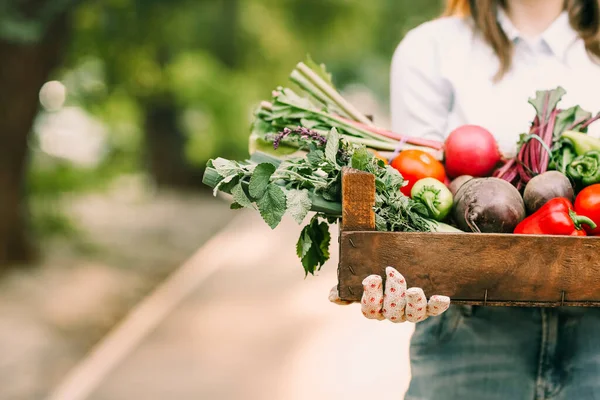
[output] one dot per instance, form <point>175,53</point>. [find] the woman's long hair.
<point>584,16</point>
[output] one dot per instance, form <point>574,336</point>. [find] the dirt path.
<point>52,314</point>
<point>257,330</point>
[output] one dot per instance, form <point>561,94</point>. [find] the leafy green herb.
<point>225,167</point>
<point>240,197</point>
<point>272,205</point>
<point>227,183</point>
<point>298,204</point>
<point>298,185</point>
<point>260,179</point>
<point>332,147</point>
<point>360,159</point>
<point>313,245</point>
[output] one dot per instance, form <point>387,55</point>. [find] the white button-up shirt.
<point>442,77</point>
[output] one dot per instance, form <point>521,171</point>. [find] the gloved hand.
<point>397,304</point>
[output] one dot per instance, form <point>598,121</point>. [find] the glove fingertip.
<point>392,274</point>
<point>371,279</point>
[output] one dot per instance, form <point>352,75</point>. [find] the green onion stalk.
<point>320,108</point>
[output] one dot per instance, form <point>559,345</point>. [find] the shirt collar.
<point>507,26</point>
<point>558,36</point>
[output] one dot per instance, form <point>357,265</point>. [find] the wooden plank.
<point>358,199</point>
<point>490,269</point>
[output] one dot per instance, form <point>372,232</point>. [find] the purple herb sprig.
<point>303,133</point>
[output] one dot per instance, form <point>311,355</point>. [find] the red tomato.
<point>415,165</point>
<point>579,233</point>
<point>587,203</point>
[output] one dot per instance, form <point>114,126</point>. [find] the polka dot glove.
<point>395,302</point>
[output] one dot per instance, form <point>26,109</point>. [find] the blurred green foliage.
<point>216,59</point>
<point>211,62</point>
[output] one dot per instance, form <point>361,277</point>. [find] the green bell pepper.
<point>434,195</point>
<point>582,143</point>
<point>585,169</point>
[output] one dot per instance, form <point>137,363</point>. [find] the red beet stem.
<point>545,156</point>
<point>590,121</point>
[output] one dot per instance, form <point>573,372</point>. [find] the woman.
<point>479,65</point>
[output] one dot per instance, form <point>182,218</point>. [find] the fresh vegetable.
<point>298,185</point>
<point>488,205</point>
<point>415,165</point>
<point>582,143</point>
<point>318,106</point>
<point>457,183</point>
<point>562,155</point>
<point>544,187</point>
<point>543,143</point>
<point>441,227</point>
<point>434,195</point>
<point>579,232</point>
<point>585,169</point>
<point>470,150</point>
<point>587,204</point>
<point>556,217</point>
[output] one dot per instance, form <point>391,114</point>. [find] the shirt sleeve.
<point>420,98</point>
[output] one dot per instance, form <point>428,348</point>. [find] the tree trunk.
<point>24,68</point>
<point>165,146</point>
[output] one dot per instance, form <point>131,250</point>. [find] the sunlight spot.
<point>53,95</point>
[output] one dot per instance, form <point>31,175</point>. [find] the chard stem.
<point>332,94</point>
<point>309,87</point>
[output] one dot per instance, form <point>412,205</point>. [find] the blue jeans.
<point>490,353</point>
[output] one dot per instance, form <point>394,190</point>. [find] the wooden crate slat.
<point>358,198</point>
<point>513,269</point>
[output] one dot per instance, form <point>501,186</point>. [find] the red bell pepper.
<point>556,217</point>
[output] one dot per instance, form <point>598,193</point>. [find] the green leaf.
<point>548,97</point>
<point>333,145</point>
<point>272,205</point>
<point>240,197</point>
<point>235,206</point>
<point>225,167</point>
<point>394,177</point>
<point>333,191</point>
<point>298,204</point>
<point>224,184</point>
<point>313,245</point>
<point>304,243</point>
<point>380,223</point>
<point>361,158</point>
<point>315,157</point>
<point>260,180</point>
<point>567,118</point>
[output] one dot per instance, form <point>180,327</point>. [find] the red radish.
<point>470,150</point>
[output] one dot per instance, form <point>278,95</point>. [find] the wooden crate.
<point>471,268</point>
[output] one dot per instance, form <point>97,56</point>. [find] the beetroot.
<point>544,187</point>
<point>488,205</point>
<point>470,150</point>
<point>457,183</point>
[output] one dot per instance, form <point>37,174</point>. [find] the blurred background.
<point>109,111</point>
